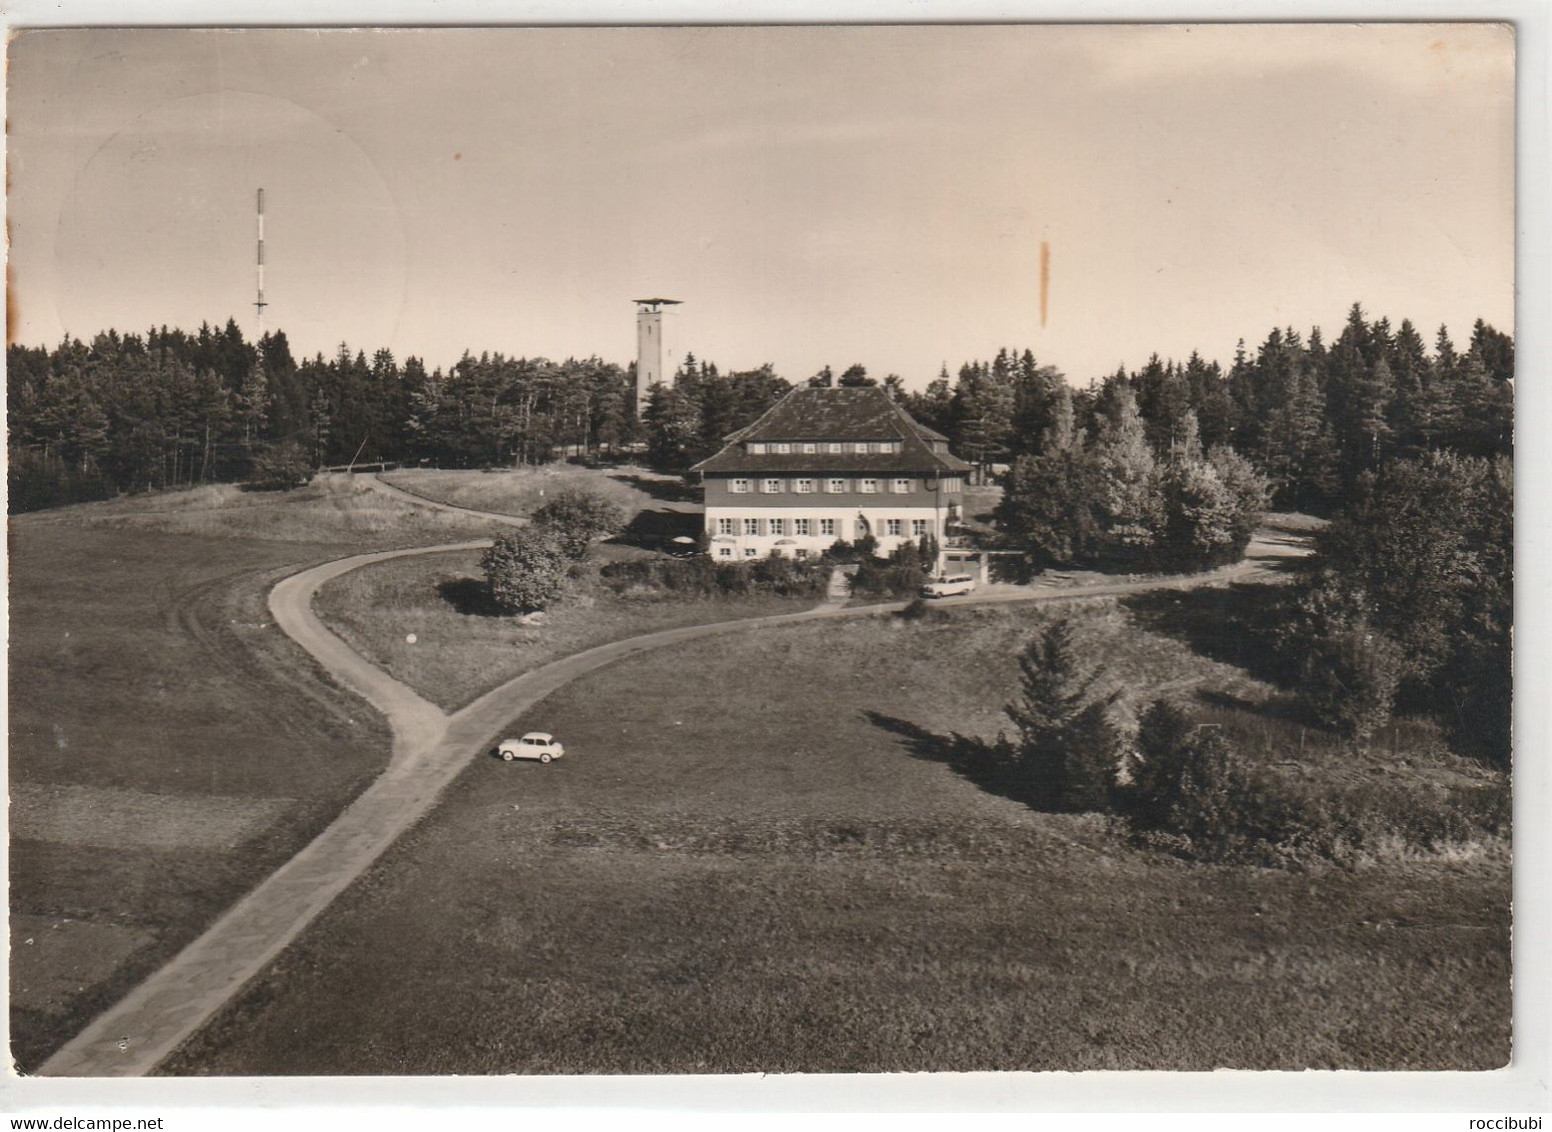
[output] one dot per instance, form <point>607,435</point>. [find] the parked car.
<point>948,586</point>
<point>539,745</point>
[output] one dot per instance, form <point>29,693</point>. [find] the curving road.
<point>430,747</point>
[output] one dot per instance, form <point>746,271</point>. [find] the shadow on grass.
<point>1233,624</point>
<point>469,597</point>
<point>668,490</point>
<point>988,766</point>
<point>657,530</point>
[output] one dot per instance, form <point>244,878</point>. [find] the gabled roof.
<point>817,414</point>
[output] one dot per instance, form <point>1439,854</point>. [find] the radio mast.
<point>260,304</point>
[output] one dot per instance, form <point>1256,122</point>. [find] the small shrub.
<point>578,517</point>
<point>841,552</point>
<point>902,574</point>
<point>526,570</point>
<point>700,577</point>
<point>1190,780</point>
<point>1350,684</point>
<point>281,467</point>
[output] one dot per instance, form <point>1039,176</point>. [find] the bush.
<point>577,518</point>
<point>902,574</point>
<point>1351,682</point>
<point>281,467</point>
<point>526,570</point>
<point>702,578</point>
<point>1191,789</point>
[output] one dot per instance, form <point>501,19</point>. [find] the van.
<point>948,586</point>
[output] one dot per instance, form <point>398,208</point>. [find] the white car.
<point>539,745</point>
<point>948,586</point>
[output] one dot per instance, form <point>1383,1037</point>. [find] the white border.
<point>1522,1088</point>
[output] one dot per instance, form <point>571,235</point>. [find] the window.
<point>756,448</point>
<point>782,448</point>
<point>802,526</point>
<point>803,487</point>
<point>810,448</point>
<point>827,526</point>
<point>868,487</point>
<point>800,553</point>
<point>726,527</point>
<point>953,483</point>
<point>751,526</point>
<point>859,446</point>
<point>772,487</point>
<point>901,487</point>
<point>724,552</point>
<point>835,446</point>
<point>751,552</point>
<point>893,527</point>
<point>739,487</point>
<point>835,487</point>
<point>918,527</point>
<point>778,526</point>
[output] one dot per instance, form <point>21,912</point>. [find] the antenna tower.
<point>260,304</point>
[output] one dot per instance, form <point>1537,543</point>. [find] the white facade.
<point>739,533</point>
<point>649,353</point>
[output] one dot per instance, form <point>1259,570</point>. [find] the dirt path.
<point>429,749</point>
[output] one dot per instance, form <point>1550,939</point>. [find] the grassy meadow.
<point>152,778</point>
<point>463,646</point>
<point>762,853</point>
<point>522,491</point>
<point>340,512</point>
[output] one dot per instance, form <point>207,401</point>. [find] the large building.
<point>824,464</point>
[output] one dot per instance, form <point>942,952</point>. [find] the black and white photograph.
<point>705,550</point>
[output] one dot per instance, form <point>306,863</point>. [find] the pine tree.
<point>1069,749</point>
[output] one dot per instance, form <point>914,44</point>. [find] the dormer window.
<point>756,448</point>
<point>781,448</point>
<point>860,446</point>
<point>835,446</point>
<point>810,448</point>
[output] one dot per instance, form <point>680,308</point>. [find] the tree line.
<point>167,408</point>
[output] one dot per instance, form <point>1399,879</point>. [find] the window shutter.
<point>764,526</point>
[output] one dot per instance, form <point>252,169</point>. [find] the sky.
<point>813,195</point>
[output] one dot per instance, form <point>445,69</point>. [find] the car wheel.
<point>507,756</point>
<point>544,758</point>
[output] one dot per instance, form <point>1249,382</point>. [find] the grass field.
<point>758,856</point>
<point>522,491</point>
<point>168,745</point>
<point>340,511</point>
<point>463,648</point>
